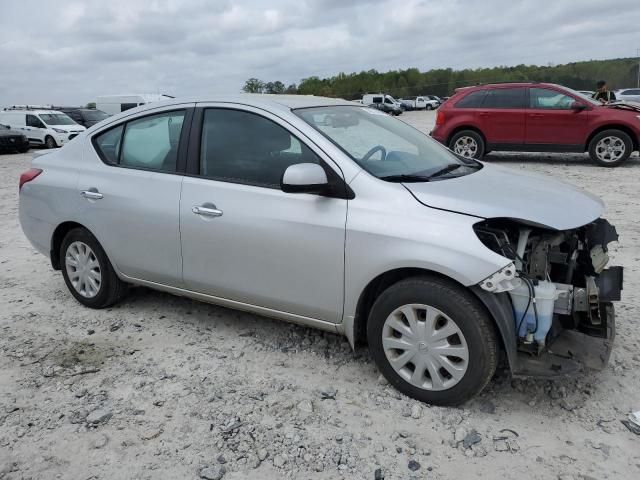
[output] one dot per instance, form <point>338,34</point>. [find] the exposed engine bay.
<point>557,281</point>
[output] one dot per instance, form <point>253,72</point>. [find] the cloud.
<point>71,52</point>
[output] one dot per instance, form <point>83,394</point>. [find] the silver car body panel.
<point>298,257</point>
<point>495,192</point>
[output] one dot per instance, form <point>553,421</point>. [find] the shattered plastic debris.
<point>635,417</point>
<point>631,426</point>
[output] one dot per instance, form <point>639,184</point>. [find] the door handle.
<point>91,194</point>
<point>484,114</point>
<point>207,211</point>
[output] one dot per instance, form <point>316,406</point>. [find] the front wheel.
<point>49,142</point>
<point>428,107</point>
<point>89,275</point>
<point>432,340</point>
<point>610,148</point>
<point>468,143</point>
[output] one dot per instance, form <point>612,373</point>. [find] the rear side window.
<point>147,143</point>
<point>152,142</point>
<point>227,155</point>
<point>505,98</point>
<point>472,100</point>
<point>108,144</point>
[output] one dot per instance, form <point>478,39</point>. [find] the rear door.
<point>502,115</point>
<point>551,120</point>
<point>129,192</point>
<point>255,244</point>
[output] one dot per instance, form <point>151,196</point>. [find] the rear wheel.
<point>89,275</point>
<point>432,340</point>
<point>468,143</point>
<point>49,142</point>
<point>610,148</point>
<point>24,149</point>
<point>428,107</point>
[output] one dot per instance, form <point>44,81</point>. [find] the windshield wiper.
<point>406,178</point>
<point>446,169</point>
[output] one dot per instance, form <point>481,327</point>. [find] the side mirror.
<point>304,178</point>
<point>578,107</point>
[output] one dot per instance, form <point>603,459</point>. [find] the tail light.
<point>440,118</point>
<point>28,176</point>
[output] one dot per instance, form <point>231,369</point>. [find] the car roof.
<point>260,100</point>
<point>32,111</point>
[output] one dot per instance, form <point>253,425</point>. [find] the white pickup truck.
<point>419,103</point>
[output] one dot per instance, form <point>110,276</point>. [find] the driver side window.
<point>543,98</point>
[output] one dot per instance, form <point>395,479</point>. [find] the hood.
<point>68,128</point>
<point>496,192</point>
<point>624,105</point>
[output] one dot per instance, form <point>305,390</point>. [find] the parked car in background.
<point>435,98</point>
<point>628,94</point>
<point>336,217</point>
<point>538,117</point>
<point>12,140</point>
<point>113,104</point>
<point>383,102</point>
<point>419,103</point>
<point>48,128</point>
<point>391,109</point>
<point>587,93</point>
<point>87,117</point>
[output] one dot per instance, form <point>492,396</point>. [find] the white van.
<point>113,104</point>
<point>42,127</point>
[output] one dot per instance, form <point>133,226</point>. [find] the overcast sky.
<point>72,51</point>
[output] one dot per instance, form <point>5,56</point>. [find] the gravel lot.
<point>165,387</point>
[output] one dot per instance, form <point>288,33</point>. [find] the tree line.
<point>619,73</point>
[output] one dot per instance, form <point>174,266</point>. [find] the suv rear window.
<point>473,100</point>
<point>505,98</point>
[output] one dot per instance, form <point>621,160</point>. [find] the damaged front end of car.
<point>558,291</point>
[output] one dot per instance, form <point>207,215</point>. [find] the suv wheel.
<point>432,340</point>
<point>87,271</point>
<point>610,148</point>
<point>467,143</point>
<point>49,142</point>
<point>428,107</point>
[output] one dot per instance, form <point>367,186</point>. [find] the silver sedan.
<point>335,216</point>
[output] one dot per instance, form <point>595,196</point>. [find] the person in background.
<point>603,93</point>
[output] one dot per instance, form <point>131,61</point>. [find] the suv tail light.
<point>440,118</point>
<point>28,176</point>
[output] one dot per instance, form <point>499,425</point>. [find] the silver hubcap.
<point>425,347</point>
<point>83,269</point>
<point>610,149</point>
<point>466,146</point>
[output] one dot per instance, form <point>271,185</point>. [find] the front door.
<point>35,130</point>
<point>551,120</point>
<point>243,238</point>
<point>129,194</point>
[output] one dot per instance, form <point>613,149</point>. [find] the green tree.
<point>91,105</point>
<point>276,87</point>
<point>253,85</point>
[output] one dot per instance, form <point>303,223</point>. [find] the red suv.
<point>537,117</point>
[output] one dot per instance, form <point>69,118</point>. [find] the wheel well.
<point>623,128</point>
<point>466,127</point>
<point>379,284</point>
<point>56,241</point>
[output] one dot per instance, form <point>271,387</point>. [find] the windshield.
<point>94,115</point>
<point>582,96</point>
<point>384,146</point>
<point>56,119</point>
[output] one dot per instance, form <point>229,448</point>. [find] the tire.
<point>24,149</point>
<point>450,307</point>
<point>610,148</point>
<point>468,143</point>
<point>49,142</point>
<point>428,107</point>
<point>110,289</point>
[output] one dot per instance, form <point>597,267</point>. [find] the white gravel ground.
<point>165,387</point>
